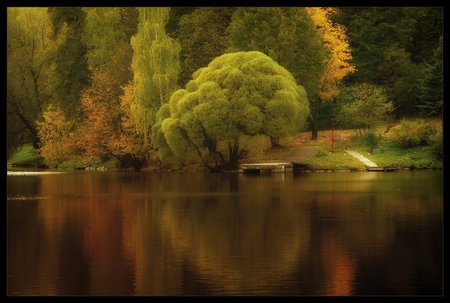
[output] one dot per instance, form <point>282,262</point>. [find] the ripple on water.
<point>32,173</point>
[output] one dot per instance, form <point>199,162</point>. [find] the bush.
<point>437,147</point>
<point>372,139</point>
<point>413,133</point>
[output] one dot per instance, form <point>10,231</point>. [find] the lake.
<point>125,233</point>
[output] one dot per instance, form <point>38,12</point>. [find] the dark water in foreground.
<point>107,233</point>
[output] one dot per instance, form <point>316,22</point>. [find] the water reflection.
<point>169,234</point>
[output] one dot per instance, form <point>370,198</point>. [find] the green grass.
<point>394,155</point>
<point>339,159</point>
<point>25,156</point>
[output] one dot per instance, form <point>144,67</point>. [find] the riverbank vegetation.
<point>210,87</point>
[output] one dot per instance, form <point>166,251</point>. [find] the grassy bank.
<point>300,148</point>
<point>26,156</point>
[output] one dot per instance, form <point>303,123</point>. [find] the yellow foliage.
<point>129,141</point>
<point>335,38</point>
<point>55,136</point>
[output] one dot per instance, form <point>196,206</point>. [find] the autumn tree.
<point>30,72</point>
<point>156,67</point>
<point>55,133</point>
<point>129,145</point>
<point>70,60</point>
<point>337,65</point>
<point>101,111</point>
<point>238,95</point>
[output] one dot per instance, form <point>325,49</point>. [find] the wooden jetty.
<point>266,167</point>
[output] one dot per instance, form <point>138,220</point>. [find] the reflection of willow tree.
<point>237,242</point>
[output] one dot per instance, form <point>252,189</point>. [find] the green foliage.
<point>437,145</point>
<point>400,77</point>
<point>202,36</point>
<point>432,84</point>
<point>70,57</point>
<point>389,46</point>
<point>287,35</point>
<point>25,156</point>
<point>156,67</point>
<point>321,153</point>
<point>410,133</point>
<point>364,106</point>
<point>107,35</point>
<point>236,96</point>
<point>30,72</point>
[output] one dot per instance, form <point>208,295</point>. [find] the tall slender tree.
<point>337,65</point>
<point>71,61</point>
<point>156,67</point>
<point>432,84</point>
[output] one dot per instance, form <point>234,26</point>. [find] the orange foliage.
<point>129,141</point>
<point>101,107</point>
<point>335,38</point>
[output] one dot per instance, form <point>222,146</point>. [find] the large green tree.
<point>389,46</point>
<point>30,73</point>
<point>237,96</point>
<point>202,36</point>
<point>365,106</point>
<point>432,84</point>
<point>304,45</point>
<point>107,35</point>
<point>156,67</point>
<point>287,35</point>
<point>70,58</point>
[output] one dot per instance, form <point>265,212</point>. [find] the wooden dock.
<point>266,167</point>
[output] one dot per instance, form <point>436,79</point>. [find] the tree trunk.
<point>31,129</point>
<point>314,119</point>
<point>233,152</point>
<point>275,142</point>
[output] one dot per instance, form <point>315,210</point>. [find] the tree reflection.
<point>170,234</point>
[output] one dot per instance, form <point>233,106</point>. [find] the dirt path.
<point>300,154</point>
<point>301,147</point>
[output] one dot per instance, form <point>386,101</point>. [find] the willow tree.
<point>237,96</point>
<point>156,67</point>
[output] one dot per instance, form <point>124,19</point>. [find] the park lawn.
<point>394,155</point>
<point>339,159</point>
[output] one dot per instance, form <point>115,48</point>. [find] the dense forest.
<point>159,87</point>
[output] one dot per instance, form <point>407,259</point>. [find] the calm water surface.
<point>118,233</point>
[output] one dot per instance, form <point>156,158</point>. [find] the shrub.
<point>372,139</point>
<point>437,147</point>
<point>363,107</point>
<point>412,133</point>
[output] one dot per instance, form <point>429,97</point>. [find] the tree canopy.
<point>236,96</point>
